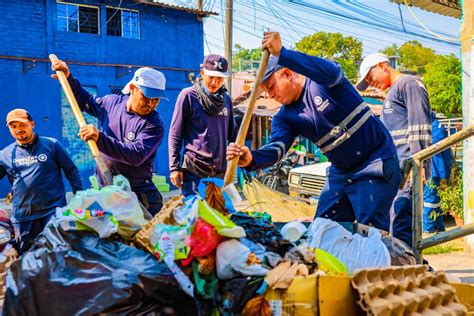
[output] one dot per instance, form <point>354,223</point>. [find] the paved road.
<point>459,266</point>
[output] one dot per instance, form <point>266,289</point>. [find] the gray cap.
<point>272,67</point>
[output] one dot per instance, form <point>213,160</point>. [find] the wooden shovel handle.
<point>232,165</point>
<point>101,166</point>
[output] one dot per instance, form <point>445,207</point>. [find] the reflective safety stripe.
<point>337,129</point>
<point>419,127</point>
<point>399,132</point>
<point>279,147</point>
<point>412,138</point>
<point>431,205</point>
<point>348,133</point>
<point>400,141</point>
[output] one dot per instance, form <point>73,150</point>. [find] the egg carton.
<point>164,216</point>
<point>406,290</point>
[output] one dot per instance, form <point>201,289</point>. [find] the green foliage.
<point>415,57</point>
<point>392,50</point>
<point>245,59</point>
<point>441,74</point>
<point>439,249</point>
<point>443,81</point>
<point>452,196</point>
<point>346,50</point>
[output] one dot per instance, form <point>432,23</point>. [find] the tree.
<point>413,56</point>
<point>392,50</point>
<point>245,59</point>
<point>443,81</point>
<point>346,50</point>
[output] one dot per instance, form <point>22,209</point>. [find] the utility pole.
<point>228,41</point>
<point>199,7</point>
<point>467,47</point>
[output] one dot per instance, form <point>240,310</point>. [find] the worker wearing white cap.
<point>131,129</point>
<point>407,114</point>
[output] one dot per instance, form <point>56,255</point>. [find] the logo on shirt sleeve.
<point>130,136</point>
<point>387,107</point>
<point>224,112</point>
<point>42,157</point>
<point>320,104</point>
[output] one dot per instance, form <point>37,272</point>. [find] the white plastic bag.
<point>231,261</point>
<point>355,251</point>
<point>117,200</point>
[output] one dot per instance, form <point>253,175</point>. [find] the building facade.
<point>104,42</point>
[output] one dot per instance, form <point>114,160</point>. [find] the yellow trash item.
<point>330,264</point>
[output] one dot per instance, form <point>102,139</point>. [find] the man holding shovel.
<point>131,129</point>
<point>203,121</point>
<point>320,104</point>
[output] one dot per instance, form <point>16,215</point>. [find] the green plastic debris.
<point>330,264</point>
<point>94,182</point>
<point>160,183</point>
<point>223,225</point>
<point>205,284</point>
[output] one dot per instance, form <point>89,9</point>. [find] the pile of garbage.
<point>198,256</point>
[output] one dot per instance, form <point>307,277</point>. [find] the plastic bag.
<point>116,199</point>
<point>261,230</point>
<point>177,234</point>
<point>235,293</point>
<point>232,260</point>
<point>223,225</point>
<point>353,250</point>
<point>203,240</point>
<point>103,223</point>
<point>78,273</point>
<point>400,253</point>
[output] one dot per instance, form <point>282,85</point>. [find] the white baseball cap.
<point>152,82</point>
<point>367,64</point>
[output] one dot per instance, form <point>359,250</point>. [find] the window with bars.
<point>116,90</point>
<point>77,18</point>
<point>123,23</point>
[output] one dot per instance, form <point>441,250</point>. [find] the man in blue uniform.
<point>131,129</point>
<point>203,121</point>
<point>407,114</point>
<point>433,221</point>
<point>33,165</point>
<point>320,104</point>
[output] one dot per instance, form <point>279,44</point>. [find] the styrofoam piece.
<point>407,290</point>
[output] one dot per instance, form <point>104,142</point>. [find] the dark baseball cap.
<point>215,65</point>
<point>272,67</point>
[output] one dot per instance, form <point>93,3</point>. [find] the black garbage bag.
<point>235,293</point>
<point>77,273</point>
<point>262,230</point>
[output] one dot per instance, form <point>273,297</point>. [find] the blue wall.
<point>169,38</point>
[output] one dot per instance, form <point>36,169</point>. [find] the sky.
<point>377,23</point>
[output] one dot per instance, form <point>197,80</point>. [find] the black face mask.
<point>212,103</point>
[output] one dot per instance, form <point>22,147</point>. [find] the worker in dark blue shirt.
<point>131,129</point>
<point>407,114</point>
<point>203,123</point>
<point>441,163</point>
<point>33,165</point>
<point>320,104</point>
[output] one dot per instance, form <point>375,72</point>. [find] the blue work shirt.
<point>326,100</point>
<point>205,137</point>
<point>440,163</point>
<point>35,172</point>
<point>407,114</point>
<point>127,141</point>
